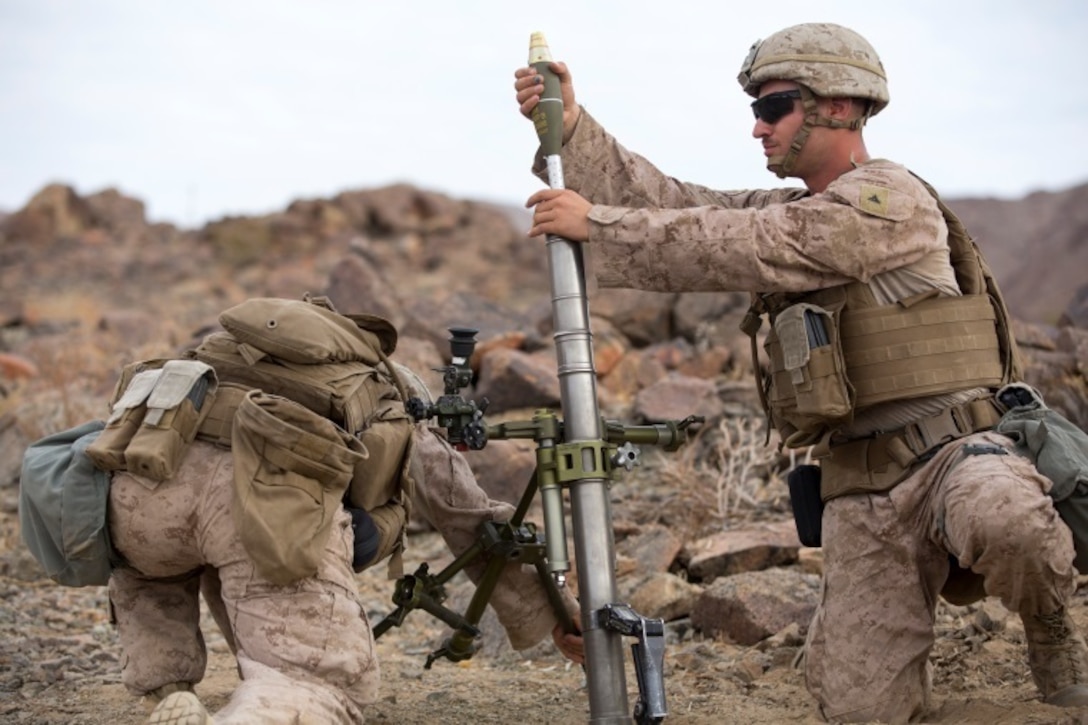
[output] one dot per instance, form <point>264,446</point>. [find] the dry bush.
<point>729,472</point>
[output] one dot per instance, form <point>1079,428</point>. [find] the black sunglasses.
<point>773,107</point>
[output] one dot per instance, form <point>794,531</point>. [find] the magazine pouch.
<point>107,452</point>
<point>180,399</point>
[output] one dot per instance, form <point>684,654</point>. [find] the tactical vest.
<point>837,351</point>
<point>324,413</point>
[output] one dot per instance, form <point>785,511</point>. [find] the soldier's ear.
<point>841,108</point>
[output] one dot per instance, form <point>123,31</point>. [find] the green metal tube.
<point>551,499</point>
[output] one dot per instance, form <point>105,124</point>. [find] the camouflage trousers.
<point>887,558</point>
<point>305,651</point>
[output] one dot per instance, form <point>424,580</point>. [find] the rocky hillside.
<point>91,267</point>
<point>89,284</point>
<point>1038,249</point>
<point>704,536</point>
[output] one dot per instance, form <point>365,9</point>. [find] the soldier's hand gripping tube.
<point>580,462</point>
<point>548,121</point>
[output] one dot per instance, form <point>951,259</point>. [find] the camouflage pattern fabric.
<point>886,556</point>
<point>305,650</point>
<point>886,560</point>
<point>302,649</point>
<point>649,231</point>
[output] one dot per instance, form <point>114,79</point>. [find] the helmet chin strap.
<point>783,165</point>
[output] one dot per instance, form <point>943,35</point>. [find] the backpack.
<point>337,367</point>
<point>326,424</point>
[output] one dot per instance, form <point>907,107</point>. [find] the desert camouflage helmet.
<point>828,59</point>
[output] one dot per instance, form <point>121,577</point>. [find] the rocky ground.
<point>59,663</point>
<point>88,285</point>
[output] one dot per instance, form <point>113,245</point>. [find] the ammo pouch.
<point>108,451</point>
<point>810,390</point>
<point>291,469</point>
<point>1059,450</point>
<point>155,418</point>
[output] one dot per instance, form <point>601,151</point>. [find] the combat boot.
<point>1058,658</point>
<point>180,708</point>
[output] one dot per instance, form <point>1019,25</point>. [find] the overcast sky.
<point>204,108</point>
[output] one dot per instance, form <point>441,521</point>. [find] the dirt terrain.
<point>89,285</point>
<point>59,664</point>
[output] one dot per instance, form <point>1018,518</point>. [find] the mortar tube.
<point>590,506</point>
<point>591,515</point>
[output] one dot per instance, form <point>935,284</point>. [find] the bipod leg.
<point>555,598</point>
<point>421,590</point>
<point>547,580</point>
<point>648,654</point>
<point>503,543</point>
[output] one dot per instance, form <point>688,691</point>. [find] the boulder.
<point>749,607</point>
<point>750,547</point>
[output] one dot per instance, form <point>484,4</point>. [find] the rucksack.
<point>318,363</point>
<point>337,367</point>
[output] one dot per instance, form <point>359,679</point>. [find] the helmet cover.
<point>831,60</point>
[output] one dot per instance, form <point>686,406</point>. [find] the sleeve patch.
<point>874,200</point>
<point>880,201</point>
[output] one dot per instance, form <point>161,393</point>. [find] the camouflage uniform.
<point>305,651</point>
<point>887,555</point>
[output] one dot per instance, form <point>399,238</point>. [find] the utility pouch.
<point>377,479</point>
<point>1059,450</point>
<point>181,397</point>
<point>807,505</point>
<point>291,471</point>
<point>807,391</point>
<point>813,360</point>
<point>390,520</point>
<point>107,452</point>
<point>1074,512</point>
<point>63,508</point>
